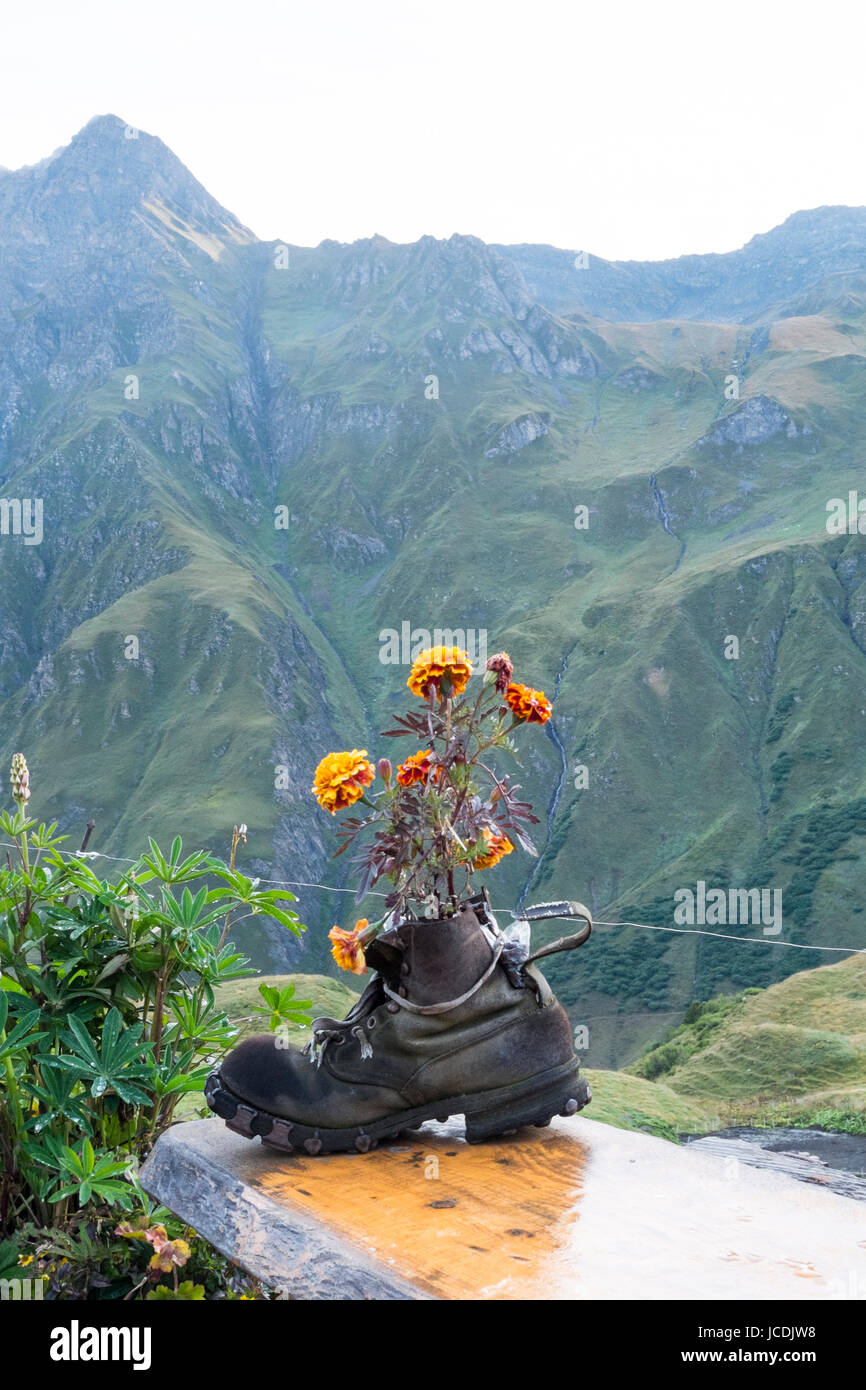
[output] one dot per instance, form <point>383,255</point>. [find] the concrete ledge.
<point>579,1210</point>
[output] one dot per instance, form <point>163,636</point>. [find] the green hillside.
<point>797,1049</point>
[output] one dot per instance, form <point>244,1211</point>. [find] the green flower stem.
<point>236,839</point>
<point>371,931</point>
<point>12,1089</point>
<point>22,843</point>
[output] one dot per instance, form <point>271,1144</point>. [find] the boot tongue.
<point>442,960</point>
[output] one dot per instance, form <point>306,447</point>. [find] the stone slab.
<point>803,1166</point>
<point>579,1210</point>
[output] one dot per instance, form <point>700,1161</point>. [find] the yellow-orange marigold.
<point>416,768</point>
<point>436,664</point>
<point>347,949</point>
<point>341,779</point>
<point>497,848</point>
<point>525,703</point>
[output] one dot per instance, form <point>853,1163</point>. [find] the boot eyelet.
<point>371,1022</point>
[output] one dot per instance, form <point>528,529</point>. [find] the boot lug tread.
<point>485,1118</point>
<point>242,1121</point>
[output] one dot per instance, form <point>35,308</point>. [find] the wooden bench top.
<point>577,1210</point>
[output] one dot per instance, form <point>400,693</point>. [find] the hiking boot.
<point>457,1021</point>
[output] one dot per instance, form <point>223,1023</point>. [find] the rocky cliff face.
<point>253,460</point>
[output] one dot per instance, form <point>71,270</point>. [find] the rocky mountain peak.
<point>108,172</point>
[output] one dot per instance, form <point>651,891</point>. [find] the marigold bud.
<point>503,667</point>
<point>385,770</point>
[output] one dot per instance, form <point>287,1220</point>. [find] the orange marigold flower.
<point>416,768</point>
<point>437,664</point>
<point>528,704</point>
<point>341,778</point>
<point>497,846</point>
<point>347,949</point>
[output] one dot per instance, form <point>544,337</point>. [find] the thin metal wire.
<point>724,936</point>
<point>642,926</point>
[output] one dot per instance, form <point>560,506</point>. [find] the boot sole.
<point>487,1114</point>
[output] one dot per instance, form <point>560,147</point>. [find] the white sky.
<point>630,130</point>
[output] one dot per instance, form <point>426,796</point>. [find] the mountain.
<point>427,420</point>
<point>763,281</point>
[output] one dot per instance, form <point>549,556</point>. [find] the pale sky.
<point>629,130</point>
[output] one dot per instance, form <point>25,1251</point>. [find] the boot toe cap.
<point>261,1072</point>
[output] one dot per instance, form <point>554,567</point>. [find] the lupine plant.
<point>108,1011</point>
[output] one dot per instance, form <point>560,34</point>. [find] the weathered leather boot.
<point>457,1021</point>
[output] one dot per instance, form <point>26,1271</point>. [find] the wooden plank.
<point>206,1174</point>
<point>578,1210</point>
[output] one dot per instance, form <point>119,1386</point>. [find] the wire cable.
<point>641,926</point>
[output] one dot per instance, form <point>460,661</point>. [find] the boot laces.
<point>322,1036</point>
<point>327,1030</point>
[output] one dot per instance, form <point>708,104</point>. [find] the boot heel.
<point>566,1096</point>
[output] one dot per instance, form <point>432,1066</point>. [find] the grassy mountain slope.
<point>797,1048</point>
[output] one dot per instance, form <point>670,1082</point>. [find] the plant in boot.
<point>458,1017</point>
<point>447,813</point>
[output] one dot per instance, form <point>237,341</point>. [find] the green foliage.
<point>84,1173</point>
<point>701,1022</point>
<point>108,1014</point>
<point>779,717</point>
<point>241,1000</point>
<point>92,1257</point>
<point>9,1259</point>
<point>648,1124</point>
<point>283,1010</point>
<point>827,830</point>
<point>630,1102</point>
<point>792,1054</point>
<point>779,773</point>
<point>636,973</point>
<point>837,1121</point>
<point>185,1291</point>
<point>841,1121</point>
